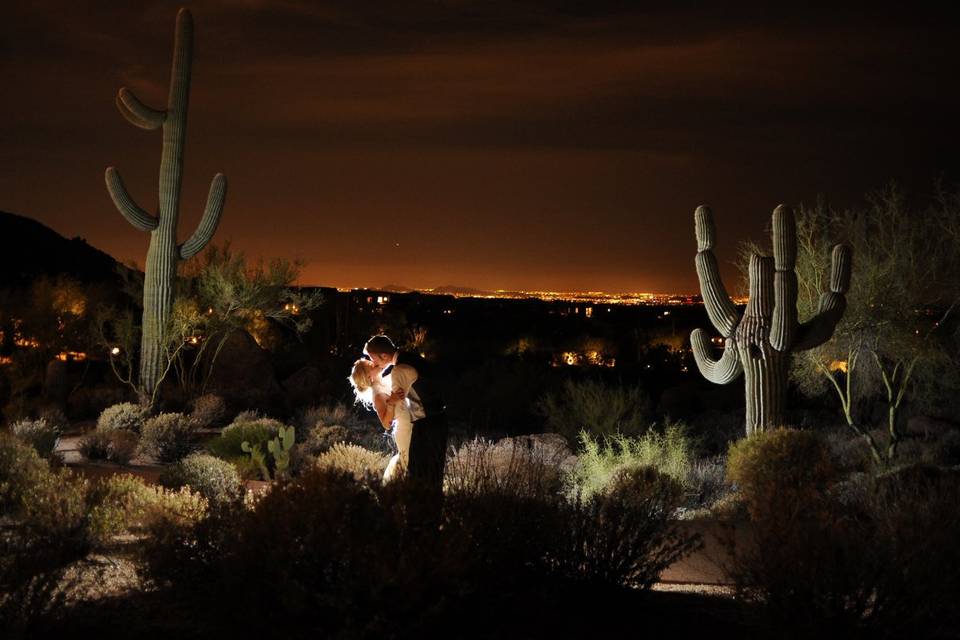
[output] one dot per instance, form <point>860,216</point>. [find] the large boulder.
<point>303,386</point>
<point>243,373</point>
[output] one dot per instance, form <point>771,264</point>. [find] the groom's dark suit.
<point>428,443</point>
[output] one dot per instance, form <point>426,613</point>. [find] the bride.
<point>375,392</point>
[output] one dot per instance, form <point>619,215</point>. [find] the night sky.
<point>492,144</point>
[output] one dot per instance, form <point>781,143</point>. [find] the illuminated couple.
<point>401,389</point>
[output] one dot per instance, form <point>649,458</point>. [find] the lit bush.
<point>215,479</point>
<point>126,416</point>
<point>321,438</point>
<point>362,464</point>
<point>669,452</point>
<point>20,468</point>
<point>40,434</point>
<point>168,437</point>
<point>592,406</point>
<point>257,432</point>
<point>482,467</point>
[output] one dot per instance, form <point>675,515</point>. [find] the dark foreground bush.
<point>351,559</point>
<point>819,564</point>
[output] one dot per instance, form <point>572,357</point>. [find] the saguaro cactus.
<point>164,252</point>
<point>759,343</point>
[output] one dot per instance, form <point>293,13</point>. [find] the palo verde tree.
<point>898,338</point>
<point>164,252</point>
<point>759,342</point>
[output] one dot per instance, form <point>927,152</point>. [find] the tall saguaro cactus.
<point>164,252</point>
<point>759,343</point>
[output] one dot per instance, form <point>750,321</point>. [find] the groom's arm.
<point>403,377</point>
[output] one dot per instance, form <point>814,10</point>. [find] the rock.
<point>927,427</point>
<point>243,373</point>
<point>303,387</point>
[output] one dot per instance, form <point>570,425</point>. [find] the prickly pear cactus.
<point>759,343</point>
<point>280,448</point>
<point>164,252</point>
<point>258,457</point>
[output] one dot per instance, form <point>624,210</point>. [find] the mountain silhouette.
<point>31,249</point>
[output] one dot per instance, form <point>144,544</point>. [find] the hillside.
<point>31,249</point>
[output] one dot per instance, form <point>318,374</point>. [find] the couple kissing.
<point>400,387</point>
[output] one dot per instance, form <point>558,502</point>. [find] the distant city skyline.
<point>498,145</point>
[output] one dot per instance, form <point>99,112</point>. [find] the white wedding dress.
<point>402,431</point>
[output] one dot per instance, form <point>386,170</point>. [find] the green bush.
<point>781,466</point>
<point>217,480</point>
<point>669,452</point>
<point>256,432</point>
<point>40,434</point>
<point>168,437</point>
<point>626,535</point>
<point>593,406</point>
<point>20,468</point>
<point>126,416</point>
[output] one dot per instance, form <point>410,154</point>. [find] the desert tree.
<point>896,340</point>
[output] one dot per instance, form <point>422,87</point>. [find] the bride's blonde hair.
<point>362,383</point>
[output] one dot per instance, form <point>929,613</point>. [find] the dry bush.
<point>126,416</point>
<point>168,437</point>
<point>362,464</point>
<point>209,410</point>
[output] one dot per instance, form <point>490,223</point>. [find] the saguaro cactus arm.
<point>211,218</point>
<point>720,308</point>
<point>723,371</point>
<point>784,327</point>
<point>136,216</point>
<point>137,113</point>
<point>819,328</point>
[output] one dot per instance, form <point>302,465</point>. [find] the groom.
<point>412,375</point>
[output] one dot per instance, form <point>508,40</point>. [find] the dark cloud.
<point>505,143</point>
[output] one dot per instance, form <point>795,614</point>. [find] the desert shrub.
<point>40,434</point>
<point>592,406</point>
<point>126,415</point>
<point>626,535</point>
<point>669,452</point>
<point>209,410</point>
<point>483,467</point>
<point>118,445</point>
<point>859,556</point>
<point>781,466</point>
<point>706,482</point>
<point>20,467</point>
<point>321,438</point>
<point>247,415</point>
<point>257,432</point>
<point>168,437</point>
<point>362,464</point>
<point>217,480</point>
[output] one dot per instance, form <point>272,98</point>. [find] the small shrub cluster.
<point>41,434</point>
<point>118,445</point>
<point>216,480</point>
<point>168,437</point>
<point>362,464</point>
<point>209,410</point>
<point>343,421</point>
<point>670,452</point>
<point>125,416</point>
<point>57,518</point>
